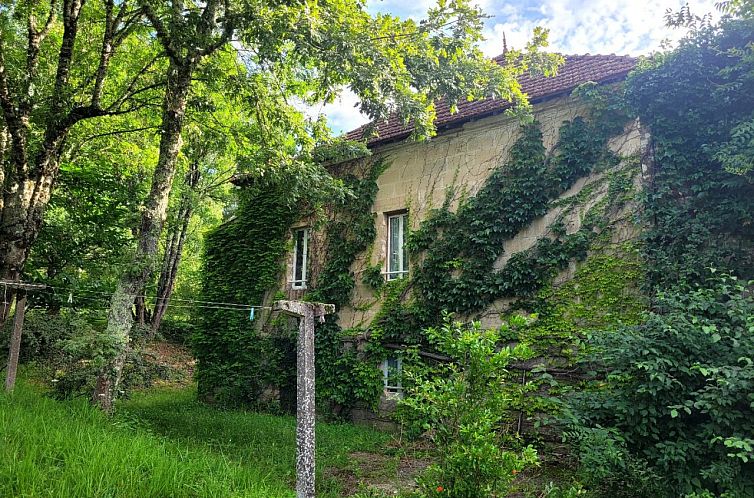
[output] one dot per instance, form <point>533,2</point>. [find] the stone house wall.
<point>420,174</point>
<point>418,178</point>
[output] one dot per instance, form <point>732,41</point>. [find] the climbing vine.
<point>243,260</point>
<point>699,212</point>
<point>342,378</point>
<point>454,253</point>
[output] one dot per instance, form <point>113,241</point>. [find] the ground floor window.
<point>392,368</point>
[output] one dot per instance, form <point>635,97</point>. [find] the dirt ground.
<point>175,359</point>
<point>390,473</point>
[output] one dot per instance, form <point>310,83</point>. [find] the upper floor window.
<point>397,259</point>
<point>300,257</point>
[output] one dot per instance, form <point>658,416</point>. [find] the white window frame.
<point>402,220</point>
<point>385,367</point>
<point>300,284</point>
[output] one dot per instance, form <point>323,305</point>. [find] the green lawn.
<point>162,443</point>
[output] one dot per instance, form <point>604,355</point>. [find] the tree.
<point>207,177</point>
<point>49,82</point>
<point>678,389</point>
<point>461,404</point>
<point>188,34</point>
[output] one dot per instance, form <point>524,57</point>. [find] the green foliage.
<point>235,362</point>
<point>553,490</point>
<point>603,293</point>
<point>243,260</point>
<point>453,253</point>
<point>737,155</point>
<point>515,194</point>
<point>344,379</point>
<point>63,449</point>
<point>373,277</point>
<point>461,404</point>
<point>696,102</point>
<point>678,388</point>
<point>607,468</point>
<point>90,221</point>
<point>675,390</point>
<point>43,331</point>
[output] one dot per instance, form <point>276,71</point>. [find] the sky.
<point>622,27</point>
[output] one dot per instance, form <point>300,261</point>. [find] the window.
<point>300,256</point>
<point>397,260</point>
<point>392,368</point>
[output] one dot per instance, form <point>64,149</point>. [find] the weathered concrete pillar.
<point>15,341</point>
<point>305,396</point>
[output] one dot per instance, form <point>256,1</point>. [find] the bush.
<point>608,469</point>
<point>679,389</point>
<point>42,333</point>
<point>177,331</point>
<point>82,357</point>
<point>461,404</point>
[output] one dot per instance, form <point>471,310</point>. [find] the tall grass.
<point>162,444</point>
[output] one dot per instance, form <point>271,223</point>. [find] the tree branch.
<point>119,132</point>
<point>71,12</point>
<point>107,49</point>
<point>6,100</point>
<point>162,34</point>
<point>129,91</point>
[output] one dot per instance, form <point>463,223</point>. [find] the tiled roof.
<point>576,70</point>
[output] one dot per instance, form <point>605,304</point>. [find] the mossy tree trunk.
<point>120,317</point>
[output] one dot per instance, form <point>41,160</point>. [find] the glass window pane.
<point>395,244</point>
<point>298,270</point>
<point>392,374</point>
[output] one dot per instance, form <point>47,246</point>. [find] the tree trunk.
<point>174,249</point>
<point>141,311</point>
<point>170,270</point>
<point>120,316</point>
<point>27,180</point>
<point>21,218</point>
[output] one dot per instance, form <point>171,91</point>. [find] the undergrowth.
<point>161,443</point>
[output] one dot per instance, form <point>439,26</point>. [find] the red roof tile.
<point>576,70</point>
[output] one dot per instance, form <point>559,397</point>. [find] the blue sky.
<point>632,27</point>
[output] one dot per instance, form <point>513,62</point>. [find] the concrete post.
<point>15,341</point>
<point>305,396</point>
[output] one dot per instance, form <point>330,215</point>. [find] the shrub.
<point>679,389</point>
<point>461,405</point>
<point>608,469</point>
<point>177,331</point>
<point>43,331</point>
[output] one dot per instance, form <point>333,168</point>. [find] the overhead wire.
<point>83,293</point>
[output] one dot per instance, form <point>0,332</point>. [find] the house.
<point>453,167</point>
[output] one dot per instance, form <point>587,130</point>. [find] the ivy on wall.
<point>699,213</point>
<point>453,260</point>
<point>454,253</point>
<point>243,260</point>
<point>343,379</point>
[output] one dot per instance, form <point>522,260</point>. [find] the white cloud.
<point>343,114</point>
<point>586,26</point>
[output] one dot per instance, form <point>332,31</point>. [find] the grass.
<point>162,443</point>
